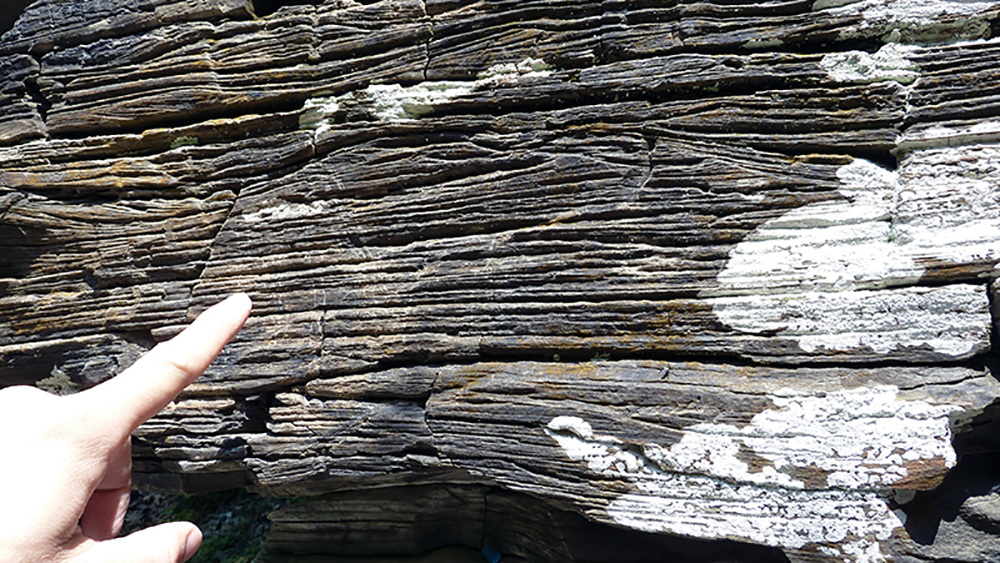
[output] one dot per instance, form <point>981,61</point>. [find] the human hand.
<point>67,464</point>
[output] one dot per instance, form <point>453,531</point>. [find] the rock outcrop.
<point>534,279</point>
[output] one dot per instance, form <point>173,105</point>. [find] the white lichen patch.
<point>833,275</point>
<point>906,10</point>
<point>949,203</point>
<point>511,73</point>
<point>917,20</point>
<point>384,102</point>
<point>861,439</point>
<point>952,320</point>
<point>397,103</point>
<point>708,509</point>
<point>318,114</point>
<point>833,245</point>
<point>888,63</point>
<point>770,43</point>
<point>949,136</point>
<point>284,211</point>
<point>392,102</point>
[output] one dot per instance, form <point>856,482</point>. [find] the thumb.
<point>175,542</point>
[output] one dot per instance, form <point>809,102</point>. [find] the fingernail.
<point>192,544</point>
<point>241,297</point>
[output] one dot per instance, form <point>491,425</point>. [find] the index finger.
<point>144,389</point>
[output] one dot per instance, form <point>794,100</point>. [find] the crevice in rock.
<point>264,8</point>
<point>429,19</point>
<point>650,162</point>
<point>42,104</point>
<point>994,357</point>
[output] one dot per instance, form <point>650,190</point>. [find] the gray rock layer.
<point>715,271</point>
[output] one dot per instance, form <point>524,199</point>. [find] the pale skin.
<point>66,465</point>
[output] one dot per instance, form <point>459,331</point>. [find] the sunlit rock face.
<point>714,281</point>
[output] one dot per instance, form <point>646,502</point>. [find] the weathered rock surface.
<point>717,271</point>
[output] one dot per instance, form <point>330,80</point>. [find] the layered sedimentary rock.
<point>714,271</point>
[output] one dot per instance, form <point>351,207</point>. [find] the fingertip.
<point>233,311</point>
<point>175,542</point>
<point>241,300</point>
<point>192,542</point>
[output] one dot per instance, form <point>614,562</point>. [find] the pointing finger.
<point>124,402</point>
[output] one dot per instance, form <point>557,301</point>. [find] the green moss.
<point>229,548</point>
<point>183,141</point>
<point>233,523</point>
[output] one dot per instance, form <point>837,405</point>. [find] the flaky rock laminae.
<point>656,272</point>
